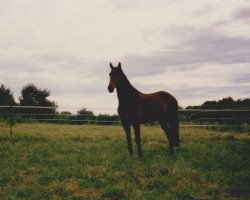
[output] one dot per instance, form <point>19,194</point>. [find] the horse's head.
<point>115,76</point>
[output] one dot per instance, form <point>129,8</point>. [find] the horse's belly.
<point>141,114</point>
<point>144,120</point>
<point>151,115</point>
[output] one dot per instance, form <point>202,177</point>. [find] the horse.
<point>137,108</point>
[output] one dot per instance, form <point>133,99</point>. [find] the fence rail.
<point>113,108</point>
<point>190,117</point>
<point>193,112</point>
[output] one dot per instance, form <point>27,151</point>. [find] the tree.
<point>84,114</point>
<point>107,119</point>
<point>66,115</point>
<point>6,99</point>
<point>209,105</point>
<point>6,96</point>
<point>33,96</point>
<point>224,103</point>
<point>243,103</point>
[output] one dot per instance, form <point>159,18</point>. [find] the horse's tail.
<point>176,136</point>
<point>174,126</point>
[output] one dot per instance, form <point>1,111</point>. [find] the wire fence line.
<point>113,108</point>
<point>85,115</point>
<point>187,117</point>
<point>57,107</point>
<point>184,114</point>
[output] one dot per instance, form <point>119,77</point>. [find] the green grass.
<point>45,161</point>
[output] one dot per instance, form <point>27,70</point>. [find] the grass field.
<point>45,161</point>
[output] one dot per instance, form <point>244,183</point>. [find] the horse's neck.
<point>127,93</point>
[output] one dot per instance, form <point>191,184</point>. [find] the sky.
<point>197,50</point>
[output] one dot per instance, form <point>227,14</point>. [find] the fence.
<point>187,117</point>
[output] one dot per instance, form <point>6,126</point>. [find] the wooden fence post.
<point>11,121</point>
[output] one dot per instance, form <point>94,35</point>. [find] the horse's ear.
<point>119,65</point>
<point>111,66</point>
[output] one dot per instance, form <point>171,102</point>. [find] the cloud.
<point>198,83</point>
<point>128,4</point>
<point>198,46</point>
<point>213,47</point>
<point>204,10</point>
<point>66,47</point>
<point>242,13</point>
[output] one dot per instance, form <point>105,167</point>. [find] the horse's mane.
<point>125,83</point>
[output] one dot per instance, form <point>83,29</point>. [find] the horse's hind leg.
<point>126,127</point>
<point>168,132</point>
<point>138,139</point>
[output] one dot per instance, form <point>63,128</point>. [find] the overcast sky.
<point>197,50</point>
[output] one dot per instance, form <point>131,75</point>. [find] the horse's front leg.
<point>138,139</point>
<point>126,127</point>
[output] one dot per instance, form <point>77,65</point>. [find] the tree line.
<point>224,103</point>
<point>237,111</point>
<point>31,95</point>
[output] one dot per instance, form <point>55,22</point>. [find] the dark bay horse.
<point>136,108</point>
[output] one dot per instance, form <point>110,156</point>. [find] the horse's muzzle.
<point>110,89</point>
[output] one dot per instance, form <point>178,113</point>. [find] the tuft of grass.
<point>45,161</point>
<point>232,128</point>
<point>113,192</point>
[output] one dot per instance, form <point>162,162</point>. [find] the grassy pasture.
<point>45,161</point>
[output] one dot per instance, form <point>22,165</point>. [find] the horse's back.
<point>150,107</point>
<point>157,106</point>
<point>160,98</point>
